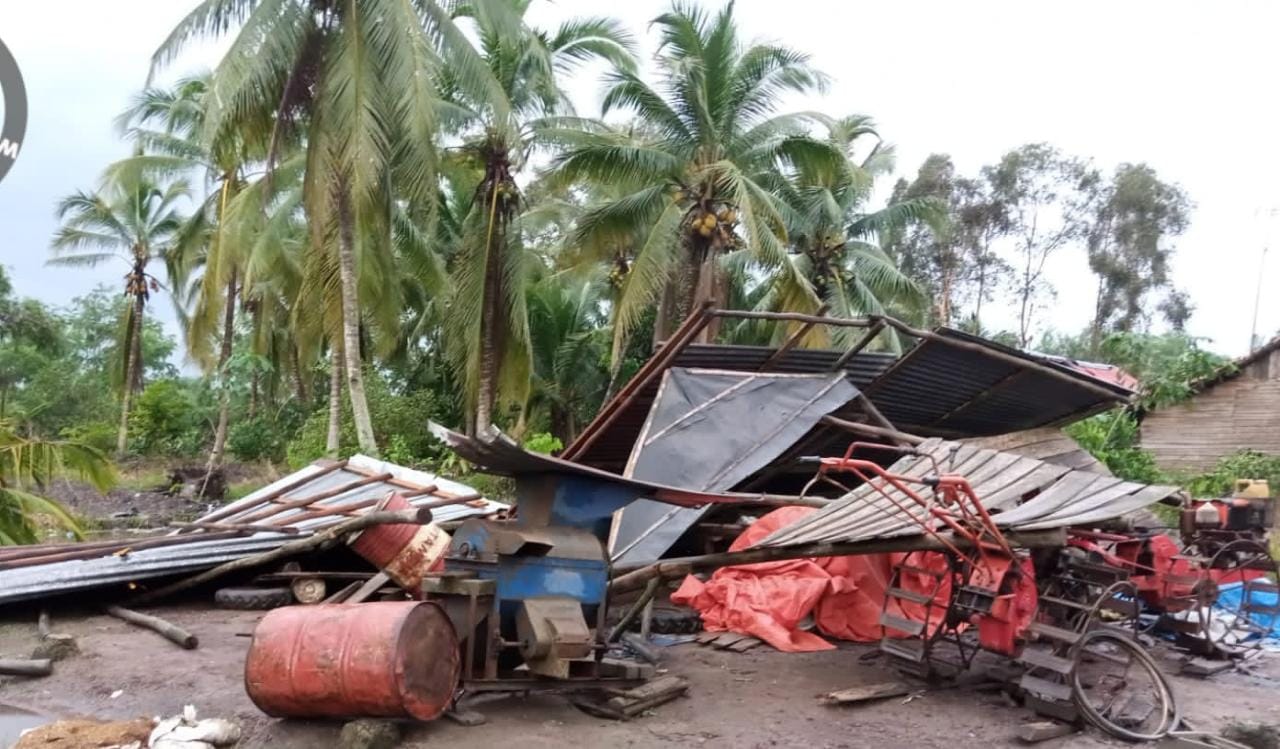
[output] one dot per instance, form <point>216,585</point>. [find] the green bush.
<point>100,435</point>
<point>1246,464</point>
<point>399,421</point>
<point>1113,439</point>
<point>254,439</point>
<point>166,420</point>
<point>544,443</point>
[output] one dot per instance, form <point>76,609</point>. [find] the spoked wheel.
<point>1118,607</point>
<point>1236,599</point>
<point>1118,688</point>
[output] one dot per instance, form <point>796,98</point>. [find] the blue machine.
<point>529,591</point>
<point>526,595</point>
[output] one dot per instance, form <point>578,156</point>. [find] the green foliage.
<point>1113,439</point>
<point>544,443</point>
<point>166,419</point>
<point>400,421</point>
<point>1246,464</point>
<point>26,466</point>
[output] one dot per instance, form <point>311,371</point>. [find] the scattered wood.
<point>26,667</point>
<point>726,639</point>
<point>368,588</point>
<point>707,636</point>
<point>745,644</point>
<point>1203,667</point>
<point>169,631</point>
<point>342,595</point>
<point>641,647</point>
<point>324,539</point>
<point>650,589</point>
<point>1043,730</point>
<point>627,704</point>
<point>308,590</point>
<point>880,691</point>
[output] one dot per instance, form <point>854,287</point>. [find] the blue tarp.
<point>1229,600</point>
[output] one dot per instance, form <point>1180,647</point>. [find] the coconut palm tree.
<point>510,100</point>
<point>362,77</point>
<point>695,172</point>
<point>133,221</point>
<point>165,125</point>
<point>832,236</point>
<point>567,323</point>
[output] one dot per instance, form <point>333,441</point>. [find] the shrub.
<point>399,421</point>
<point>544,443</point>
<point>100,435</point>
<point>166,420</point>
<point>1246,464</point>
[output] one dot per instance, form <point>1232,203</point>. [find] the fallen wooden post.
<point>324,539</point>
<point>32,667</point>
<point>169,631</point>
<point>633,579</point>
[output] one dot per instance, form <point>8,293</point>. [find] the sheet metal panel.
<point>710,430</point>
<point>1063,497</point>
<point>36,581</point>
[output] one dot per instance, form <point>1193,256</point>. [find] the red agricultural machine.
<point>1068,619</point>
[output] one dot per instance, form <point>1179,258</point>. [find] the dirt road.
<point>756,699</point>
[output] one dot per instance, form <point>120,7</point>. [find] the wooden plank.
<point>745,644</point>
<point>868,692</point>
<point>369,587</point>
<point>707,636</point>
<point>726,639</point>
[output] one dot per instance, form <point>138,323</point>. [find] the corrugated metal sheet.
<point>936,389</point>
<point>1022,493</point>
<point>118,566</point>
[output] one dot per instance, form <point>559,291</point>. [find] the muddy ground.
<point>760,698</point>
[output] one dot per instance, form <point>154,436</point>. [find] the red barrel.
<point>402,550</point>
<point>395,659</point>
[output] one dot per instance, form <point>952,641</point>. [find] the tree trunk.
<point>299,383</point>
<point>133,360</point>
<point>491,329</point>
<point>351,326</point>
<point>334,439</point>
<point>224,356</point>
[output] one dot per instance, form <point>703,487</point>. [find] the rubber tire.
<point>253,599</point>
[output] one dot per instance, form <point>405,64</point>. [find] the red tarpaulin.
<point>845,594</point>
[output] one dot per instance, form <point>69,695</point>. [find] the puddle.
<point>14,721</point>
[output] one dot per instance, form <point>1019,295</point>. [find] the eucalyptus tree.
<point>133,221</point>
<point>1129,245</point>
<point>360,78</point>
<point>695,172</point>
<point>503,84</point>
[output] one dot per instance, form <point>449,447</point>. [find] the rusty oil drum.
<point>402,550</point>
<point>394,659</point>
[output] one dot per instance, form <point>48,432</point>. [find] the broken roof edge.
<point>495,452</point>
<point>358,463</point>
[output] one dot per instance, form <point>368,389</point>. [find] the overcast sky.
<point>1187,87</point>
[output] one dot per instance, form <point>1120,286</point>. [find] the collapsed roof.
<point>947,384</point>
